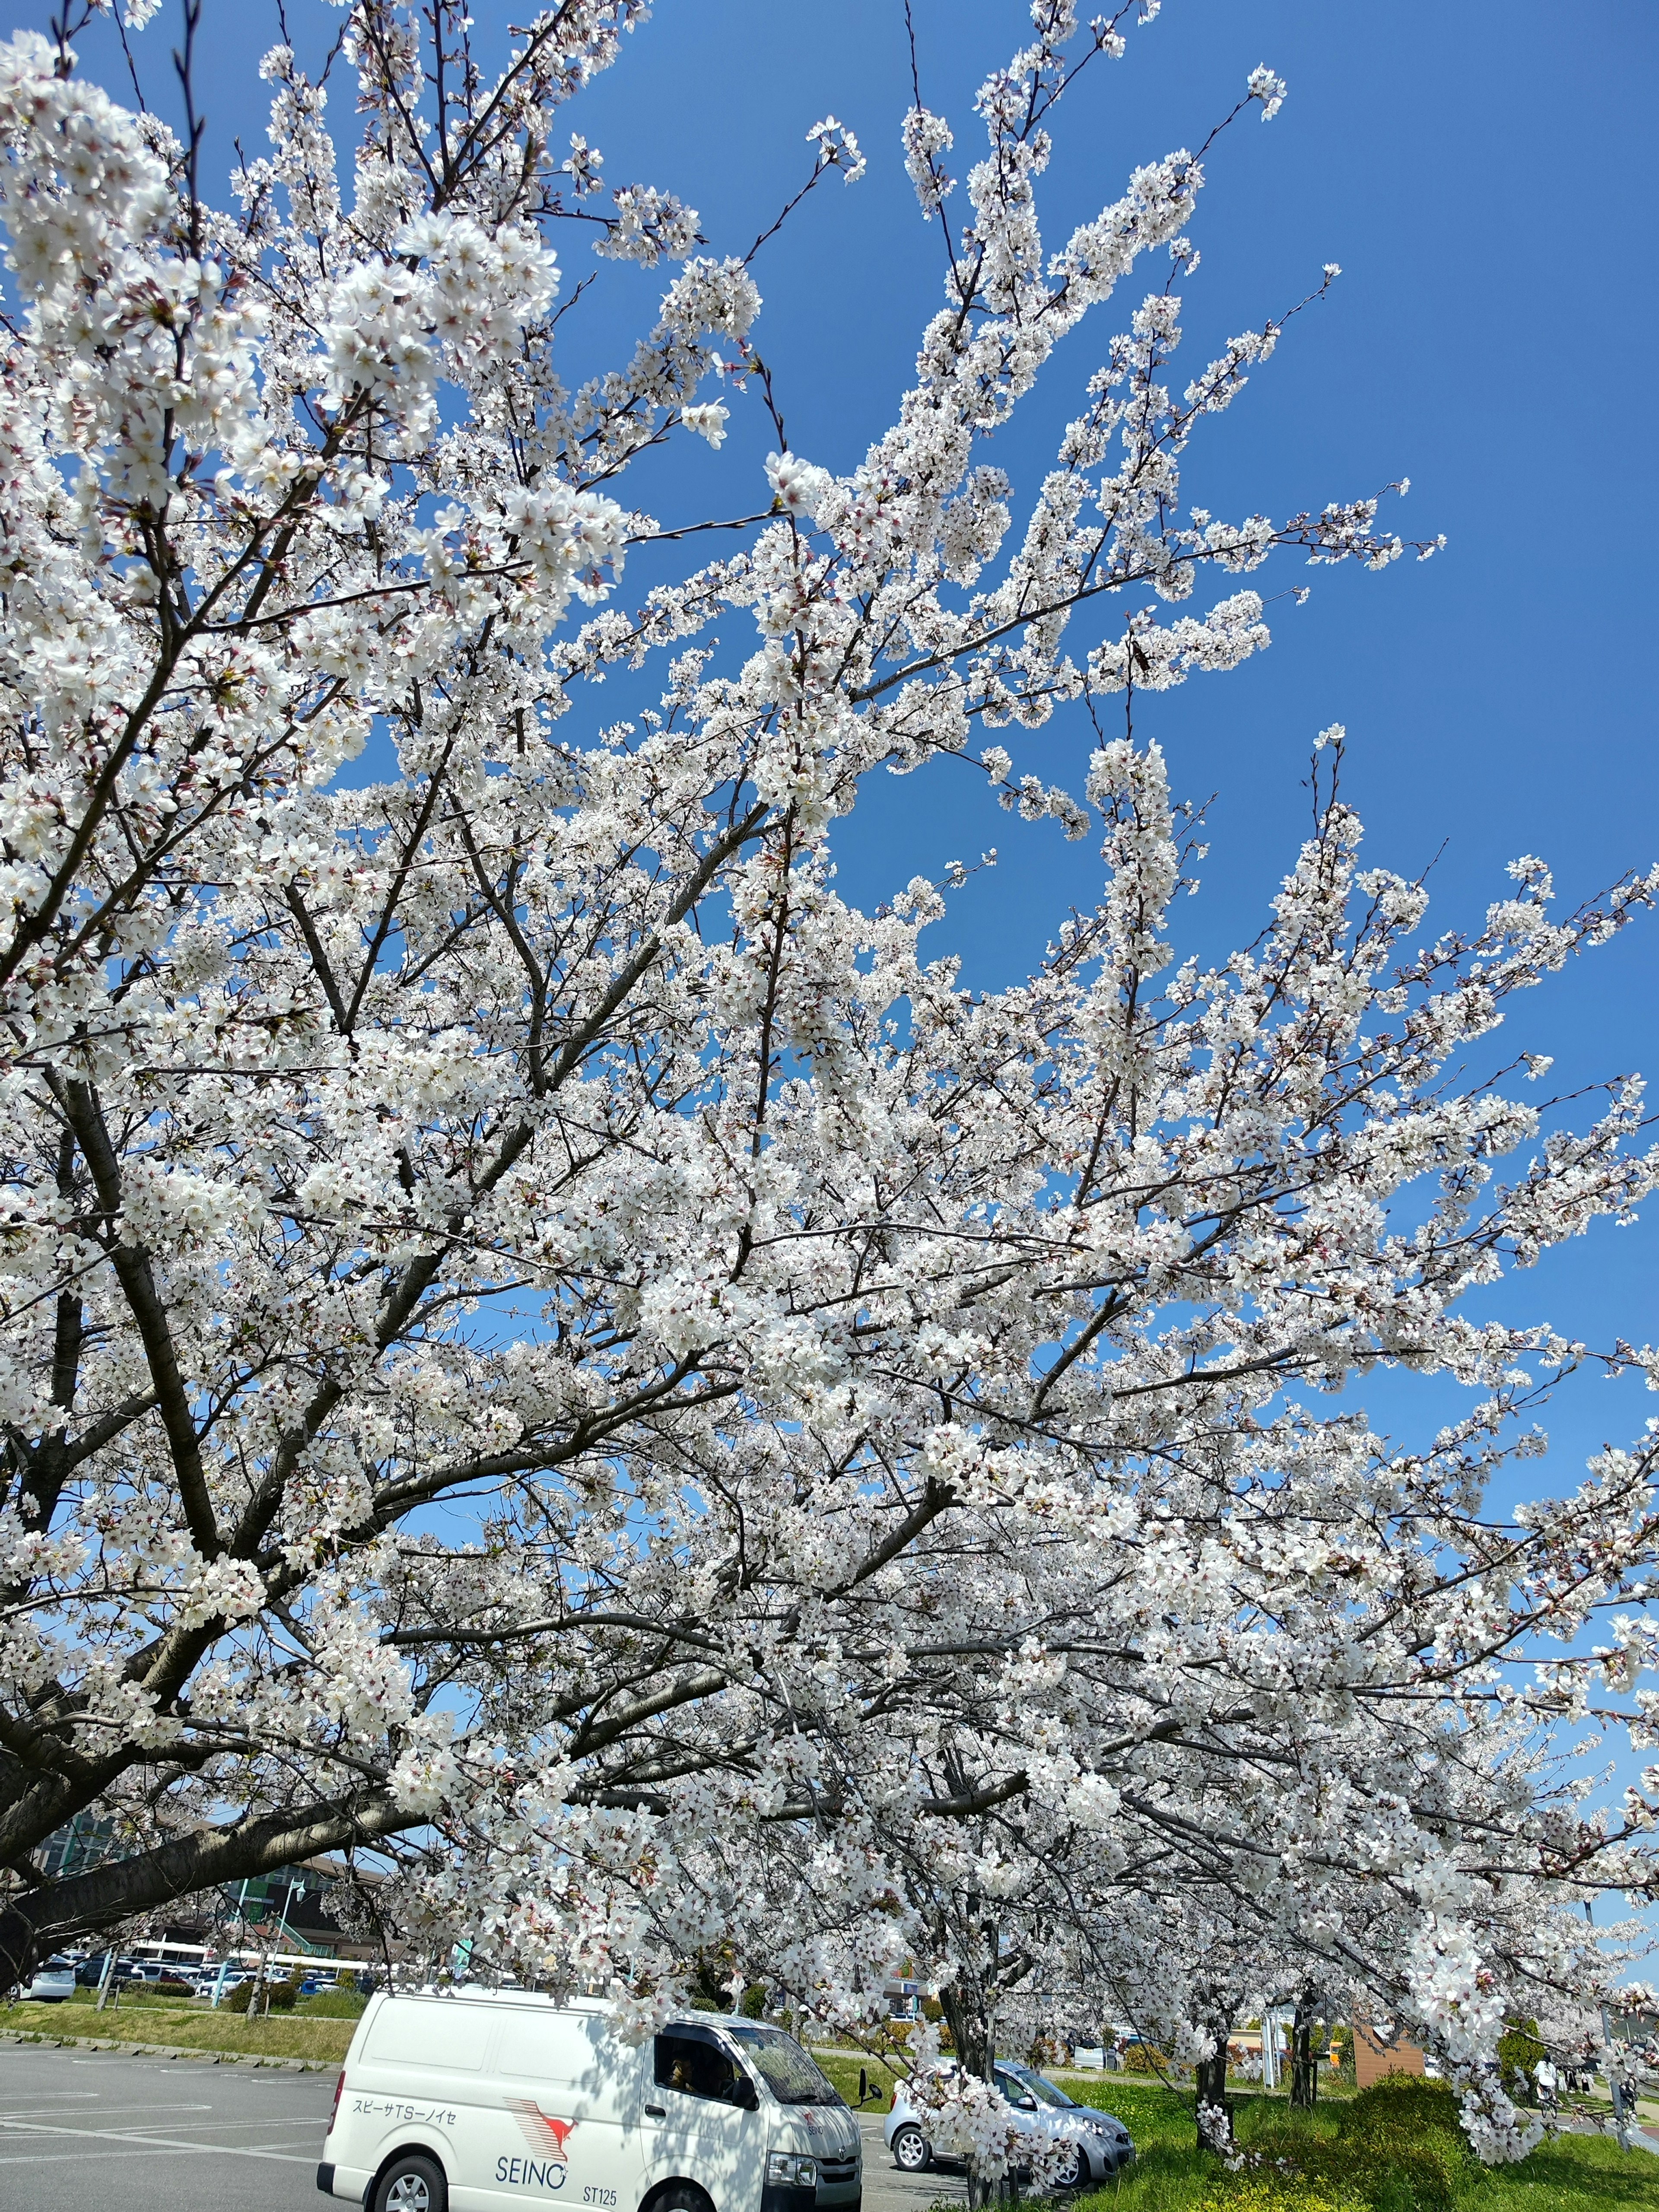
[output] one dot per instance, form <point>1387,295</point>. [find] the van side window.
<point>694,2068</point>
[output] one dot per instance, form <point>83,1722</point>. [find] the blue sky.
<point>1481,171</point>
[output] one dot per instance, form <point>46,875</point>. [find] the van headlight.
<point>795,2173</point>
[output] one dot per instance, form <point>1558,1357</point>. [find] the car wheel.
<point>912,2152</point>
<point>413,2183</point>
<point>1077,2174</point>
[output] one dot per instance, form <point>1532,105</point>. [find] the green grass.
<point>297,2034</point>
<point>1569,2173</point>
<point>844,2073</point>
<point>1574,2173</point>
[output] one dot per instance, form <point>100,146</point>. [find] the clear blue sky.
<point>1478,169</point>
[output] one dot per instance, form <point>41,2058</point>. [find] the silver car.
<point>53,1984</point>
<point>1102,2148</point>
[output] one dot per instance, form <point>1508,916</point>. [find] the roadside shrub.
<point>333,2004</point>
<point>170,1986</point>
<point>1139,2059</point>
<point>254,1994</point>
<point>1403,2100</point>
<point>1398,2148</point>
<point>1389,2168</point>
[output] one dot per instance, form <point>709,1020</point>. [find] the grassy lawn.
<point>301,2033</point>
<point>844,2073</point>
<point>1570,2173</point>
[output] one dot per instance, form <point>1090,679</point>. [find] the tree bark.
<point>969,2014</point>
<point>1209,2080</point>
<point>1304,2062</point>
<point>33,1922</point>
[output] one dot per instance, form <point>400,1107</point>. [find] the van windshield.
<point>787,2072</point>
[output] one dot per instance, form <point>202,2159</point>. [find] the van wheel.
<point>681,2197</point>
<point>412,2183</point>
<point>912,2152</point>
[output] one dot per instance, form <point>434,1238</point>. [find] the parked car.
<point>89,1971</point>
<point>53,1982</point>
<point>236,1978</point>
<point>1102,2148</point>
<point>318,1985</point>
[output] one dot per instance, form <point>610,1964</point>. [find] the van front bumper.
<point>786,2197</point>
<point>837,2196</point>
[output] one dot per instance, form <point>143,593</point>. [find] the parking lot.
<point>81,2129</point>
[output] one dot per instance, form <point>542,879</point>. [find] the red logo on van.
<point>541,2131</point>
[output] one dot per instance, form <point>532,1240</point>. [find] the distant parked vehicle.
<point>90,1972</point>
<point>52,1984</point>
<point>236,1978</point>
<point>1102,2148</point>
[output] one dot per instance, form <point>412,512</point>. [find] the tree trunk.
<point>970,2018</point>
<point>1304,2062</point>
<point>33,1922</point>
<point>1210,2078</point>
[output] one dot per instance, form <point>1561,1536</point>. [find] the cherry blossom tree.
<point>533,1328</point>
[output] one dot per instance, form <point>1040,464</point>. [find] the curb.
<point>167,2050</point>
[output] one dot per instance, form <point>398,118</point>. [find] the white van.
<point>474,2102</point>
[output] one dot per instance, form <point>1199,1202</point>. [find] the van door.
<point>416,2080</point>
<point>702,2121</point>
<point>565,2134</point>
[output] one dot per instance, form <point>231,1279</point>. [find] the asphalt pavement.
<point>887,2189</point>
<point>90,2130</point>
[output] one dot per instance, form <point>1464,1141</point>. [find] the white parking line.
<point>263,2119</point>
<point>67,2158</point>
<point>150,2143</point>
<point>108,2111</point>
